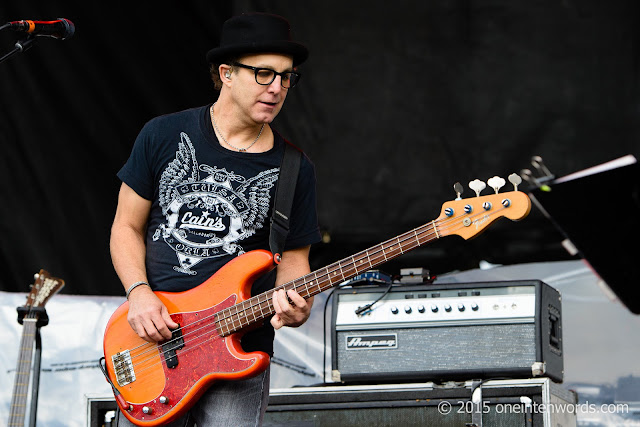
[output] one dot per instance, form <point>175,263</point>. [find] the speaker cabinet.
<point>537,402</point>
<point>440,332</point>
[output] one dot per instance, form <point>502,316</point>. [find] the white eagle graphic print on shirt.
<point>209,211</point>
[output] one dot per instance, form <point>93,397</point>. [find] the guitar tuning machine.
<point>477,186</point>
<point>516,180</point>
<point>496,183</point>
<point>458,188</point>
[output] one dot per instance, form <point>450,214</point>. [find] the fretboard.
<point>23,372</point>
<point>260,307</point>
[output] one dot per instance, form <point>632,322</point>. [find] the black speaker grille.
<point>473,347</point>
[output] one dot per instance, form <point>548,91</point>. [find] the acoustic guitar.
<point>155,383</point>
<point>32,316</point>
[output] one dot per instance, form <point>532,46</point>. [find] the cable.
<point>324,323</point>
<point>360,311</point>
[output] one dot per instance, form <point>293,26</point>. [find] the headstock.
<point>43,288</point>
<point>469,217</point>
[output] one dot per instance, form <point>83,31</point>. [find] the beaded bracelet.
<point>135,285</point>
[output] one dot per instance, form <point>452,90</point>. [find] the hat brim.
<point>297,51</point>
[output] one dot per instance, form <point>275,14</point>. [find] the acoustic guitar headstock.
<point>43,288</point>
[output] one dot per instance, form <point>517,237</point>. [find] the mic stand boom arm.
<point>20,46</point>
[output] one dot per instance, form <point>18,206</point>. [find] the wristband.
<point>135,285</point>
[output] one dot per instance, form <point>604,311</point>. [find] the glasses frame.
<point>256,70</point>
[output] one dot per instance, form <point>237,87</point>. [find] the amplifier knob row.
<point>435,308</point>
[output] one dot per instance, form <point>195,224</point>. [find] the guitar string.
<point>192,344</point>
<point>30,330</point>
<point>21,387</point>
<point>388,245</point>
<point>155,357</point>
<point>376,255</point>
<point>240,312</point>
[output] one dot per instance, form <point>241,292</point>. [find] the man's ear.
<point>225,72</point>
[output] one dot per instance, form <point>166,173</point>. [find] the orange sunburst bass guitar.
<point>157,383</point>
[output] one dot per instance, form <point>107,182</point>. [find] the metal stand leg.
<point>35,385</point>
<point>20,46</point>
<point>476,400</point>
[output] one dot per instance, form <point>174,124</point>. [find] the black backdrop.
<point>398,101</point>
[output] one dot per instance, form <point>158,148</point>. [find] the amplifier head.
<point>453,331</point>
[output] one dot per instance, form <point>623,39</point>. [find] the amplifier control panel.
<point>418,306</point>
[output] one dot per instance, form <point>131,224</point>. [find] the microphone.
<point>61,28</point>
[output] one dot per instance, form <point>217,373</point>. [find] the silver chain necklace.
<point>215,125</point>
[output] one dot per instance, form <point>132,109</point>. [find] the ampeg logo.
<point>372,342</point>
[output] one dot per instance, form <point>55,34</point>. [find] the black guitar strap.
<point>285,191</point>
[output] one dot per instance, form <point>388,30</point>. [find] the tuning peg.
<point>516,180</point>
<point>458,188</point>
<point>477,186</point>
<point>496,183</point>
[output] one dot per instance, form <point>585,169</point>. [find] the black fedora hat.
<point>256,33</point>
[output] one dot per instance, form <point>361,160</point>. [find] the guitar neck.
<point>42,289</point>
<point>260,307</point>
<point>23,372</point>
<point>340,271</point>
<point>462,217</point>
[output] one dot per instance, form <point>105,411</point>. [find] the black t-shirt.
<point>210,205</point>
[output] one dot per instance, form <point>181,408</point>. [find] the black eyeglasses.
<point>266,76</point>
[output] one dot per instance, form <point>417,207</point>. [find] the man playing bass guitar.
<point>198,191</point>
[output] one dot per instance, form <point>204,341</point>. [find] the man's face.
<point>261,103</point>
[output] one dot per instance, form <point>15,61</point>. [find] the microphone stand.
<point>20,46</point>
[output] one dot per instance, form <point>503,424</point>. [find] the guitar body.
<point>205,355</point>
